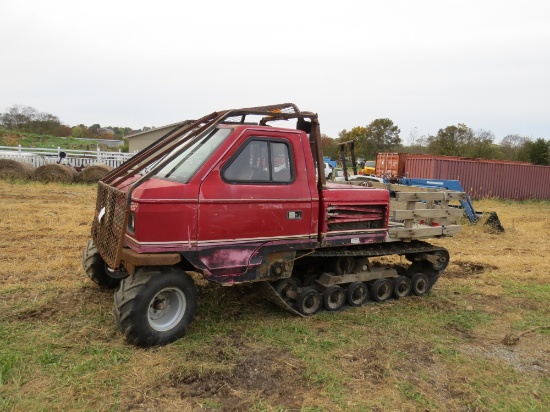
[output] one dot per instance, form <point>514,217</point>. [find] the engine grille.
<point>355,217</point>
<point>109,225</point>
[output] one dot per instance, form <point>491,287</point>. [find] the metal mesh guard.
<point>108,233</point>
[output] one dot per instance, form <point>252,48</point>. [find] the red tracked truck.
<point>238,199</point>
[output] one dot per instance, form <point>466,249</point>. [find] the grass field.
<point>60,349</point>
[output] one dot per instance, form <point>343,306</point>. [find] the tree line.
<point>382,135</point>
<point>26,119</point>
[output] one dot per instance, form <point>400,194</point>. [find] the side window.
<point>261,161</point>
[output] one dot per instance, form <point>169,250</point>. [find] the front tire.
<point>155,306</point>
<point>96,268</point>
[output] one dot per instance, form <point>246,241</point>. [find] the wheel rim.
<point>402,287</point>
<point>383,291</point>
<point>334,298</point>
<point>357,294</point>
<point>115,275</point>
<point>309,302</point>
<point>442,261</point>
<point>285,286</point>
<point>166,309</point>
<point>420,284</point>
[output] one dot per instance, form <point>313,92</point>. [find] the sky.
<point>424,64</point>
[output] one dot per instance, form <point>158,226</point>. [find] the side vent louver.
<point>355,217</point>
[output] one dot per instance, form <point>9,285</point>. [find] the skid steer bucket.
<point>494,222</point>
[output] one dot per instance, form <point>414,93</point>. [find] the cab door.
<point>260,192</point>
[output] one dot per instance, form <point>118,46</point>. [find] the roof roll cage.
<point>162,151</point>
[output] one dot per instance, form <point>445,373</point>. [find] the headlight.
<point>131,223</point>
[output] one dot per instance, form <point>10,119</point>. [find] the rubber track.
<point>377,249</point>
<point>267,291</point>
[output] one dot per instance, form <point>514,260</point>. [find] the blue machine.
<point>328,160</point>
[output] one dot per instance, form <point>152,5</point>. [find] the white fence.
<point>75,158</point>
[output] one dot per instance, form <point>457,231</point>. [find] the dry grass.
<point>59,348</point>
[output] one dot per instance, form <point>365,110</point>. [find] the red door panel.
<point>238,206</point>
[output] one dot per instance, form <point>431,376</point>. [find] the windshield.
<point>184,166</point>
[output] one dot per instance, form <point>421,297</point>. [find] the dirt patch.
<point>531,355</point>
<point>461,269</point>
<point>62,302</point>
<point>263,374</point>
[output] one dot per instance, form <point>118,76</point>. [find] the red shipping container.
<point>484,178</point>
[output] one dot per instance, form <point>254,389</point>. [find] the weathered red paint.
<point>229,230</point>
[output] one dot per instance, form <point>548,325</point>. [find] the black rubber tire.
<point>401,287</point>
<point>309,302</point>
<point>442,260</point>
<point>284,286</point>
<point>357,293</point>
<point>343,265</point>
<point>420,284</point>
<point>334,298</point>
<point>96,269</point>
<point>381,290</point>
<point>155,306</point>
<point>310,279</point>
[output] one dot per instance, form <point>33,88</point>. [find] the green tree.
<point>381,136</point>
<point>330,146</point>
<point>482,146</point>
<point>357,134</point>
<point>95,128</point>
<point>539,152</point>
<point>81,131</point>
<point>28,119</point>
<point>451,141</point>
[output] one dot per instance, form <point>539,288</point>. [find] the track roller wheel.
<point>287,289</point>
<point>334,298</point>
<point>381,290</point>
<point>343,265</point>
<point>401,287</point>
<point>420,284</point>
<point>357,293</point>
<point>309,302</point>
<point>442,260</point>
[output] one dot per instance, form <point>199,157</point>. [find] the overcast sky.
<point>423,64</point>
